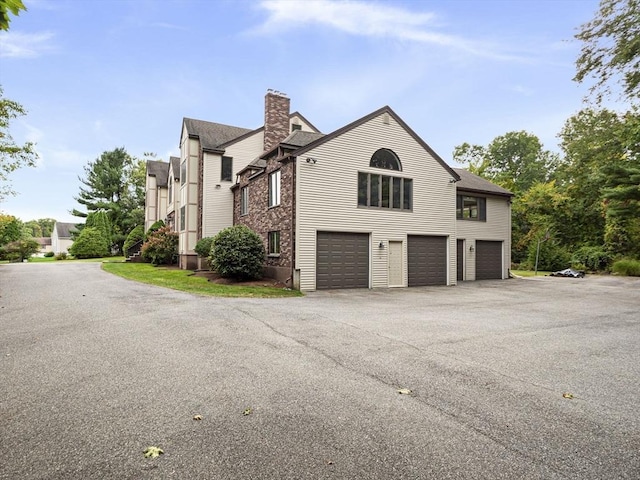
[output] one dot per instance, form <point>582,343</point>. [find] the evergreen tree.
<point>112,183</point>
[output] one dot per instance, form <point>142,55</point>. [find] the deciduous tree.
<point>611,49</point>
<point>7,7</point>
<point>12,156</point>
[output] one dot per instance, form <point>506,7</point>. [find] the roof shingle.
<point>211,134</point>
<point>472,182</point>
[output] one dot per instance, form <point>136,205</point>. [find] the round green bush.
<point>237,252</point>
<point>627,266</point>
<point>203,247</point>
<point>135,236</point>
<point>90,244</point>
<point>49,254</point>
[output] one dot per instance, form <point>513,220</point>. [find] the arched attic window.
<point>385,158</point>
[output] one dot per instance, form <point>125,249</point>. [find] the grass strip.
<point>186,281</point>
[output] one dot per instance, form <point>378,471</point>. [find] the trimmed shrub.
<point>627,267</point>
<point>62,256</point>
<point>161,247</point>
<point>237,252</point>
<point>100,221</point>
<point>90,244</point>
<point>135,235</point>
<point>154,228</point>
<point>49,254</point>
<point>591,258</point>
<point>203,247</point>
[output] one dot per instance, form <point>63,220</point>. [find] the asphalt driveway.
<point>95,368</point>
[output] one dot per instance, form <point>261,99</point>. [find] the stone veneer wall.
<point>262,219</point>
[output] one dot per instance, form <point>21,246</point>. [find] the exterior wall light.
<point>381,245</point>
<point>471,249</point>
<point>311,160</point>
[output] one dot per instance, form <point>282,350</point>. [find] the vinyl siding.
<point>244,152</point>
<point>162,203</point>
<point>217,199</point>
<point>151,210</point>
<point>305,127</point>
<point>497,227</point>
<point>189,195</point>
<point>327,198</point>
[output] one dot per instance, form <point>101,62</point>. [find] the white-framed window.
<point>274,243</point>
<point>183,172</point>
<point>274,188</point>
<point>244,200</point>
<point>183,217</point>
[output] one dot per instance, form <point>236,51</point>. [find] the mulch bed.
<point>215,278</point>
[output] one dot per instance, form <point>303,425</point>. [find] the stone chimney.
<point>276,118</point>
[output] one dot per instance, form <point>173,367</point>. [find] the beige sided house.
<point>61,237</point>
<point>483,212</point>
<point>155,203</point>
<point>370,205</point>
<point>209,154</point>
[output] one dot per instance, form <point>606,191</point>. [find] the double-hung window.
<point>274,188</point>
<point>244,200</point>
<point>274,243</point>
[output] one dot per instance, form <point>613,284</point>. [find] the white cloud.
<point>521,89</point>
<point>168,26</point>
<point>372,20</point>
<point>64,158</point>
<point>25,45</point>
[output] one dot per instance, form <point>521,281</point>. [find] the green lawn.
<point>186,281</point>
<point>52,259</point>
<point>529,273</point>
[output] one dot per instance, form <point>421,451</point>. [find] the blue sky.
<point>101,74</point>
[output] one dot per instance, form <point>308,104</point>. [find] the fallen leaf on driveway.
<point>567,395</point>
<point>247,411</point>
<point>404,391</point>
<point>153,452</point>
<point>197,417</point>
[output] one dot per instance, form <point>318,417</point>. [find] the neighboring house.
<point>45,245</point>
<point>369,205</point>
<point>61,237</point>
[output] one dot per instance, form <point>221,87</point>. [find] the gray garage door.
<point>427,257</point>
<point>342,260</point>
<point>488,260</point>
